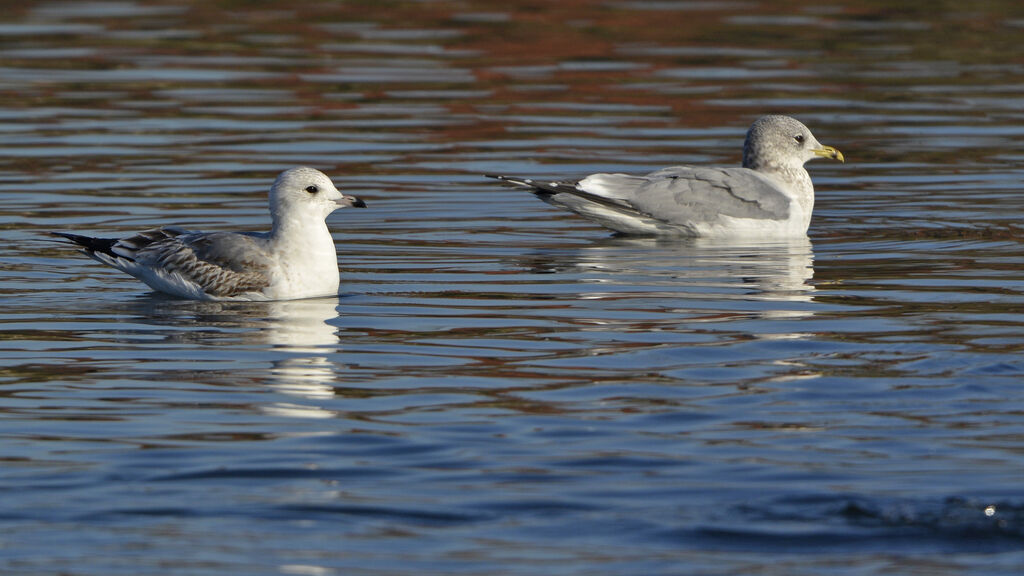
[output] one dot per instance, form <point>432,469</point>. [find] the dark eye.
<point>799,138</point>
<point>312,189</point>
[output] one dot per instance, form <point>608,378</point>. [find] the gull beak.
<point>829,152</point>
<point>347,200</point>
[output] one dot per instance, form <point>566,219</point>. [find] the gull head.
<point>781,144</point>
<point>305,192</point>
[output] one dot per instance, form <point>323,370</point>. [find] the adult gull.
<point>771,196</point>
<point>295,259</point>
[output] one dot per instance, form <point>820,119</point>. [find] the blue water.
<point>503,388</point>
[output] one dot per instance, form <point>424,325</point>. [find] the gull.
<point>296,259</point>
<point>771,196</point>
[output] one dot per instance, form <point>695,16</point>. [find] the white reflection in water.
<point>301,327</point>
<point>775,271</point>
<point>724,291</point>
<point>296,334</point>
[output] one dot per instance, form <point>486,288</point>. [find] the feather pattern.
<point>296,259</point>
<point>771,195</point>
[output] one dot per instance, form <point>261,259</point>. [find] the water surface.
<point>503,388</point>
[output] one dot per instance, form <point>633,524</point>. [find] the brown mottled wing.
<point>221,263</point>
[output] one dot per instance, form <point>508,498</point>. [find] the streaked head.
<point>305,191</point>
<point>778,142</point>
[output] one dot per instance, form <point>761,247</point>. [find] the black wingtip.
<point>76,238</point>
<point>359,203</point>
<point>513,180</point>
<point>88,243</point>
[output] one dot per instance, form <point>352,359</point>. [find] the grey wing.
<point>221,263</point>
<point>686,195</point>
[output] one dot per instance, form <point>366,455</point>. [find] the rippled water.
<point>503,388</point>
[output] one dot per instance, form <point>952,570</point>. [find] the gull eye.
<point>799,138</point>
<point>312,189</point>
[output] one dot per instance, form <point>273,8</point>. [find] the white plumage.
<point>295,259</point>
<point>771,196</point>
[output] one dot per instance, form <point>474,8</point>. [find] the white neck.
<point>798,180</point>
<point>306,249</point>
<point>301,235</point>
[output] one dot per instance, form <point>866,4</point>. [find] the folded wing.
<point>192,264</point>
<point>682,199</point>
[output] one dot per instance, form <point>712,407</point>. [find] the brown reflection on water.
<point>484,335</point>
<point>566,84</point>
<point>693,65</point>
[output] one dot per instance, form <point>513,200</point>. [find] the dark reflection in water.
<point>502,388</point>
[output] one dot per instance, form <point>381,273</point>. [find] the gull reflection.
<point>698,269</point>
<point>296,334</point>
<point>695,291</point>
<point>301,328</point>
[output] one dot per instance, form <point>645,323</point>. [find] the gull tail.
<point>546,190</point>
<point>514,180</point>
<point>92,246</point>
<point>543,189</point>
<point>615,213</point>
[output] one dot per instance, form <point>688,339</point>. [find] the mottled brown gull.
<point>771,196</point>
<point>296,259</point>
